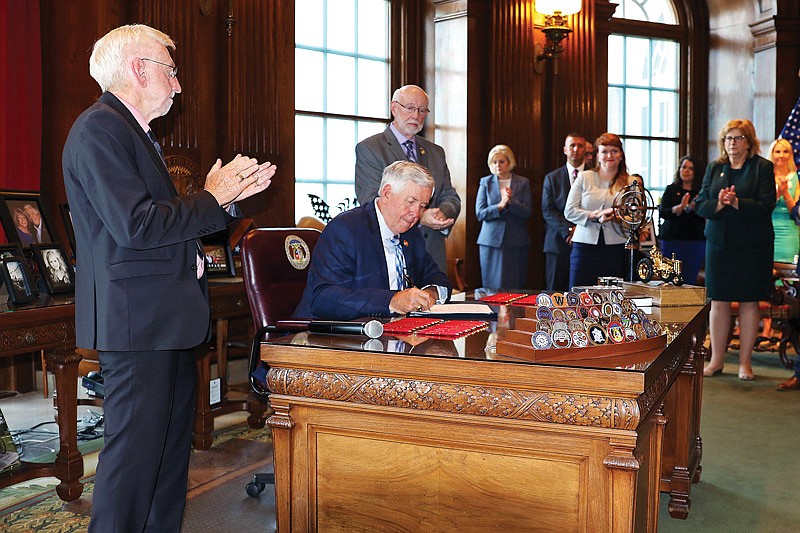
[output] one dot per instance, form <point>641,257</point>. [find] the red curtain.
<point>20,95</point>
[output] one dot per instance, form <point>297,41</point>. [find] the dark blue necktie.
<point>153,139</point>
<point>410,155</point>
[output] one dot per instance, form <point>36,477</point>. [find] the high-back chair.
<point>275,263</point>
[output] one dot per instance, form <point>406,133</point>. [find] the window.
<point>644,80</point>
<point>341,94</point>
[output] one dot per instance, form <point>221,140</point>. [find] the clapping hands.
<point>727,197</point>
<point>241,178</point>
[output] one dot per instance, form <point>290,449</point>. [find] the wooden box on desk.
<point>666,294</point>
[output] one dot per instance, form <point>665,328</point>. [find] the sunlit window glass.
<point>341,94</point>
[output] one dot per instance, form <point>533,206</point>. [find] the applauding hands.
<point>241,178</point>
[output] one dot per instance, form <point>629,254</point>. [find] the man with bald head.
<point>400,142</point>
<point>141,297</point>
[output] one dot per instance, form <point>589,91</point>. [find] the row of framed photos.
<point>52,264</point>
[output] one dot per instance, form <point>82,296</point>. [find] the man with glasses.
<point>141,295</point>
<point>400,142</point>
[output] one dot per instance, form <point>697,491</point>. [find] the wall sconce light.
<point>555,25</point>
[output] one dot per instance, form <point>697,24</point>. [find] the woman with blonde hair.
<point>503,206</point>
<point>598,245</point>
<point>787,192</point>
<point>736,199</point>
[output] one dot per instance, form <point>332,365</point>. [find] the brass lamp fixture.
<point>555,25</point>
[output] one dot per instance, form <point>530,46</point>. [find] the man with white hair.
<point>371,260</point>
<point>141,295</point>
<point>400,142</point>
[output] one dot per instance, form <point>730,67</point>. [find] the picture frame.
<point>55,267</point>
<point>18,280</point>
<point>19,211</point>
<point>11,250</point>
<point>219,259</point>
<point>647,236</point>
<point>66,218</point>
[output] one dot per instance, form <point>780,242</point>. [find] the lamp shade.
<point>549,7</point>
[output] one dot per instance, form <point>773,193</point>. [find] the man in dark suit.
<point>400,142</point>
<point>558,230</point>
<point>371,260</point>
<point>141,294</point>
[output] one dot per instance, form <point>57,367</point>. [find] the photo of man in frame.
<point>30,225</point>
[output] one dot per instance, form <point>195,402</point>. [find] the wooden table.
<point>49,324</point>
<point>447,435</point>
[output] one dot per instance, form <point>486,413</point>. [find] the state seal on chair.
<point>297,252</point>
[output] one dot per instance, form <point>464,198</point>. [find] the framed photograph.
<point>11,250</point>
<point>54,267</point>
<point>66,218</point>
<point>647,236</point>
<point>25,218</point>
<point>17,279</point>
<point>219,259</point>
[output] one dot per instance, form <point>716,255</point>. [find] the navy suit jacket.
<point>554,198</point>
<point>348,277</point>
<point>136,258</point>
<point>375,153</point>
<point>508,228</point>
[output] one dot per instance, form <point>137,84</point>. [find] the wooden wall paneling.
<point>68,32</point>
<point>258,95</point>
<point>458,98</point>
<point>408,43</point>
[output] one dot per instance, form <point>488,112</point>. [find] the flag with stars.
<point>791,132</point>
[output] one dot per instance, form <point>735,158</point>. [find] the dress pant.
<point>557,271</point>
<point>144,464</point>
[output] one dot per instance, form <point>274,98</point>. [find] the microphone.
<point>371,328</point>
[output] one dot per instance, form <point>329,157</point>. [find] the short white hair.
<point>111,52</point>
<point>401,173</point>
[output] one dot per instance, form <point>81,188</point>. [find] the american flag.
<point>791,132</point>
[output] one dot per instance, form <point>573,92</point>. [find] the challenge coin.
<point>562,338</point>
<point>586,298</point>
<point>558,299</point>
<point>541,340</point>
<point>544,313</point>
<point>580,339</point>
<point>543,300</point>
<point>597,335</point>
<point>572,299</point>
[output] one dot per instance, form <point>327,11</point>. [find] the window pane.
<point>302,204</point>
<point>341,138</point>
<point>341,90</point>
<point>341,26</point>
<point>373,100</point>
<point>368,129</point>
<point>616,114</point>
<point>616,59</point>
<point>665,64</point>
<point>373,19</point>
<point>664,157</point>
<point>637,61</point>
<point>637,112</point>
<point>308,80</point>
<point>308,28</point>
<point>637,157</point>
<point>664,109</point>
<point>308,135</point>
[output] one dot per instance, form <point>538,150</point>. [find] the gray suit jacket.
<point>136,258</point>
<point>554,198</point>
<point>375,153</point>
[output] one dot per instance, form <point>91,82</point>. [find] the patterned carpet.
<point>216,491</point>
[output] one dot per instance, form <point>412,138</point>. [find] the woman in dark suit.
<point>682,229</point>
<point>503,206</point>
<point>737,199</point>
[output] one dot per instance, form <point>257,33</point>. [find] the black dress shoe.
<point>793,383</point>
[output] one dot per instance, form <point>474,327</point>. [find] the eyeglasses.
<point>413,108</point>
<point>173,70</point>
<point>734,138</point>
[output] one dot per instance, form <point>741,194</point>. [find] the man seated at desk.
<point>370,260</point>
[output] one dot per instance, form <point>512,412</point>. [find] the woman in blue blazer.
<point>503,206</point>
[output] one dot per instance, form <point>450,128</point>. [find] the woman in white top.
<point>598,243</point>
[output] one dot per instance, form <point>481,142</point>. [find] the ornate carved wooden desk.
<point>448,436</point>
<point>49,324</point>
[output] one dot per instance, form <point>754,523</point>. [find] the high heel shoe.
<point>709,373</point>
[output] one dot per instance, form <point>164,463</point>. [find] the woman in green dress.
<point>787,233</point>
<point>736,199</point>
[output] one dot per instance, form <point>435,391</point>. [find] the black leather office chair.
<point>275,265</point>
